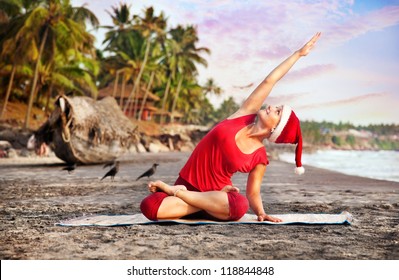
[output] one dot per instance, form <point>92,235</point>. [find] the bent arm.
<point>255,100</point>
<point>253,193</point>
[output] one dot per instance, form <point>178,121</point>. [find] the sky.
<point>352,75</point>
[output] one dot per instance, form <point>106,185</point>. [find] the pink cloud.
<point>352,100</point>
<point>310,71</point>
<point>286,98</point>
<point>273,52</point>
<point>357,25</point>
<point>364,109</point>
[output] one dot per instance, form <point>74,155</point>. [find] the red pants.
<point>238,204</point>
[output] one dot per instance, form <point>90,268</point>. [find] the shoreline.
<point>52,160</point>
<point>35,197</point>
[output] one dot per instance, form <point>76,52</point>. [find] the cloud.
<point>286,98</point>
<point>309,71</point>
<point>350,101</point>
<point>356,25</point>
<point>364,109</point>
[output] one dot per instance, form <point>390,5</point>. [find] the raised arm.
<point>255,100</point>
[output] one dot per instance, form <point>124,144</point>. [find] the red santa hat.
<point>289,131</point>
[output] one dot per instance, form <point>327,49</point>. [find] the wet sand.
<point>35,194</point>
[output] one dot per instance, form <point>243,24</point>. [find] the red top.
<point>217,156</point>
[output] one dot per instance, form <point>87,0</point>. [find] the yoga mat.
<point>139,219</point>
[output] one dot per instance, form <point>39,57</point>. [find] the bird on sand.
<point>149,172</point>
<point>112,172</point>
<point>70,168</point>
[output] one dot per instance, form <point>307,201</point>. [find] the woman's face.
<point>270,116</point>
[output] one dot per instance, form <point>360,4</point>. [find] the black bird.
<point>112,172</point>
<point>149,172</point>
<point>70,168</point>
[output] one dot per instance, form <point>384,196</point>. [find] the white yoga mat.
<point>139,219</point>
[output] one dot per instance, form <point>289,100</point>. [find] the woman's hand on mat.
<point>265,217</point>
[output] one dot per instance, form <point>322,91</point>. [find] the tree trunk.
<point>146,94</point>
<point>35,78</point>
<point>131,103</point>
<point>135,101</point>
<point>122,90</point>
<point>10,82</point>
<point>49,93</point>
<point>115,84</point>
<point>165,96</point>
<point>136,83</point>
<point>175,98</point>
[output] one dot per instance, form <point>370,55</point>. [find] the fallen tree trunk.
<point>81,130</point>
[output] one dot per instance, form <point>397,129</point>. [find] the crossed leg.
<point>182,202</point>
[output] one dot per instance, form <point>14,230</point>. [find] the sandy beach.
<point>36,194</point>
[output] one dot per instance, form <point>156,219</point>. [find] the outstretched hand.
<point>309,45</point>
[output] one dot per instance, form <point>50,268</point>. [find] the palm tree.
<point>122,22</point>
<point>73,74</point>
<point>15,48</point>
<point>126,58</point>
<point>169,64</point>
<point>186,57</point>
<point>149,26</point>
<point>58,27</point>
<point>114,38</point>
<point>192,103</point>
<point>155,73</point>
<point>227,108</point>
<point>211,87</point>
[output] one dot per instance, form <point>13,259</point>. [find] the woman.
<point>235,144</point>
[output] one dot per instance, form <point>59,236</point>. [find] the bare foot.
<point>229,188</point>
<point>163,187</point>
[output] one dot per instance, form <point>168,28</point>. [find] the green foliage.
<point>227,108</point>
<point>319,134</point>
<point>336,140</point>
<point>382,129</point>
<point>46,37</point>
<point>351,140</point>
<point>386,144</point>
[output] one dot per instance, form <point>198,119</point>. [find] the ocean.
<point>371,164</point>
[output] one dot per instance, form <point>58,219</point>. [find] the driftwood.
<point>82,130</point>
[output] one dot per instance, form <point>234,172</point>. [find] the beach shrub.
<point>336,140</point>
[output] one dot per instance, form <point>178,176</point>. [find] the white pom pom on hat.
<point>289,131</point>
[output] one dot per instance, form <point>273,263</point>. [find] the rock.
<point>171,141</point>
<point>145,141</point>
<point>12,153</point>
<point>140,148</point>
<point>25,153</point>
<point>157,146</point>
<point>197,135</point>
<point>3,153</point>
<point>7,134</point>
<point>133,149</point>
<point>5,145</point>
<point>17,138</point>
<point>187,147</point>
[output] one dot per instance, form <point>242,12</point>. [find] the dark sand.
<point>36,194</point>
